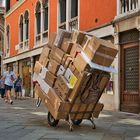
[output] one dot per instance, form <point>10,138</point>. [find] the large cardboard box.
<point>50,79</point>
<point>53,66</point>
<point>63,87</point>
<point>56,114</point>
<point>67,46</point>
<point>38,67</point>
<point>44,56</point>
<point>58,103</point>
<point>100,51</point>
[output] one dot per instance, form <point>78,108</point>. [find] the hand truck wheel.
<point>77,122</point>
<point>51,121</point>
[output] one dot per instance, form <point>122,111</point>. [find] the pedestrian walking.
<point>2,87</point>
<point>8,77</point>
<point>18,87</point>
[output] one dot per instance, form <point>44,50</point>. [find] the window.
<point>7,5</point>
<point>45,15</point>
<point>38,18</point>
<point>21,28</point>
<point>26,18</point>
<point>62,10</point>
<point>8,38</point>
<point>74,8</point>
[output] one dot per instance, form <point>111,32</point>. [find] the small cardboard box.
<point>80,63</point>
<point>44,56</point>
<point>50,79</point>
<point>38,67</point>
<point>78,37</point>
<point>63,87</point>
<point>53,66</point>
<point>60,36</point>
<point>58,55</point>
<point>67,62</point>
<point>76,48</point>
<point>61,70</point>
<point>67,46</point>
<point>39,92</point>
<point>100,51</point>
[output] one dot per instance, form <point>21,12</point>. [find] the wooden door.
<point>26,79</point>
<point>130,96</point>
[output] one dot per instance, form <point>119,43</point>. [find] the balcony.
<point>62,25</point>
<point>73,23</point>
<point>128,6</point>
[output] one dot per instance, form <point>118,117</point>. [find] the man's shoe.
<point>11,102</point>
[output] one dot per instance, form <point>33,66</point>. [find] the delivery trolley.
<point>83,101</point>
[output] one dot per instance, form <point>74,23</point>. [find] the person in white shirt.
<point>9,77</point>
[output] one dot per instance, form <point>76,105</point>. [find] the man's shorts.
<point>18,89</point>
<point>8,87</point>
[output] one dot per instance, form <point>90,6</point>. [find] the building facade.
<point>2,12</point>
<point>127,34</point>
<point>29,23</point>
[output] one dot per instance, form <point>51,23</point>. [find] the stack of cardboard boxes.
<point>67,80</point>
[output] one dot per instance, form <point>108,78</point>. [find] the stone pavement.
<point>23,121</point>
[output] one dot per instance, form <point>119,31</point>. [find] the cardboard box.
<point>44,56</point>
<point>80,63</point>
<point>38,67</point>
<point>63,87</point>
<point>66,46</point>
<point>53,66</point>
<point>40,93</point>
<point>58,103</point>
<point>95,87</point>
<point>60,37</point>
<point>70,77</point>
<point>76,48</point>
<point>61,70</point>
<point>56,114</point>
<point>85,41</point>
<point>58,55</point>
<point>50,79</point>
<point>77,87</point>
<point>78,37</point>
<point>67,62</point>
<point>100,51</point>
<point>52,39</point>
